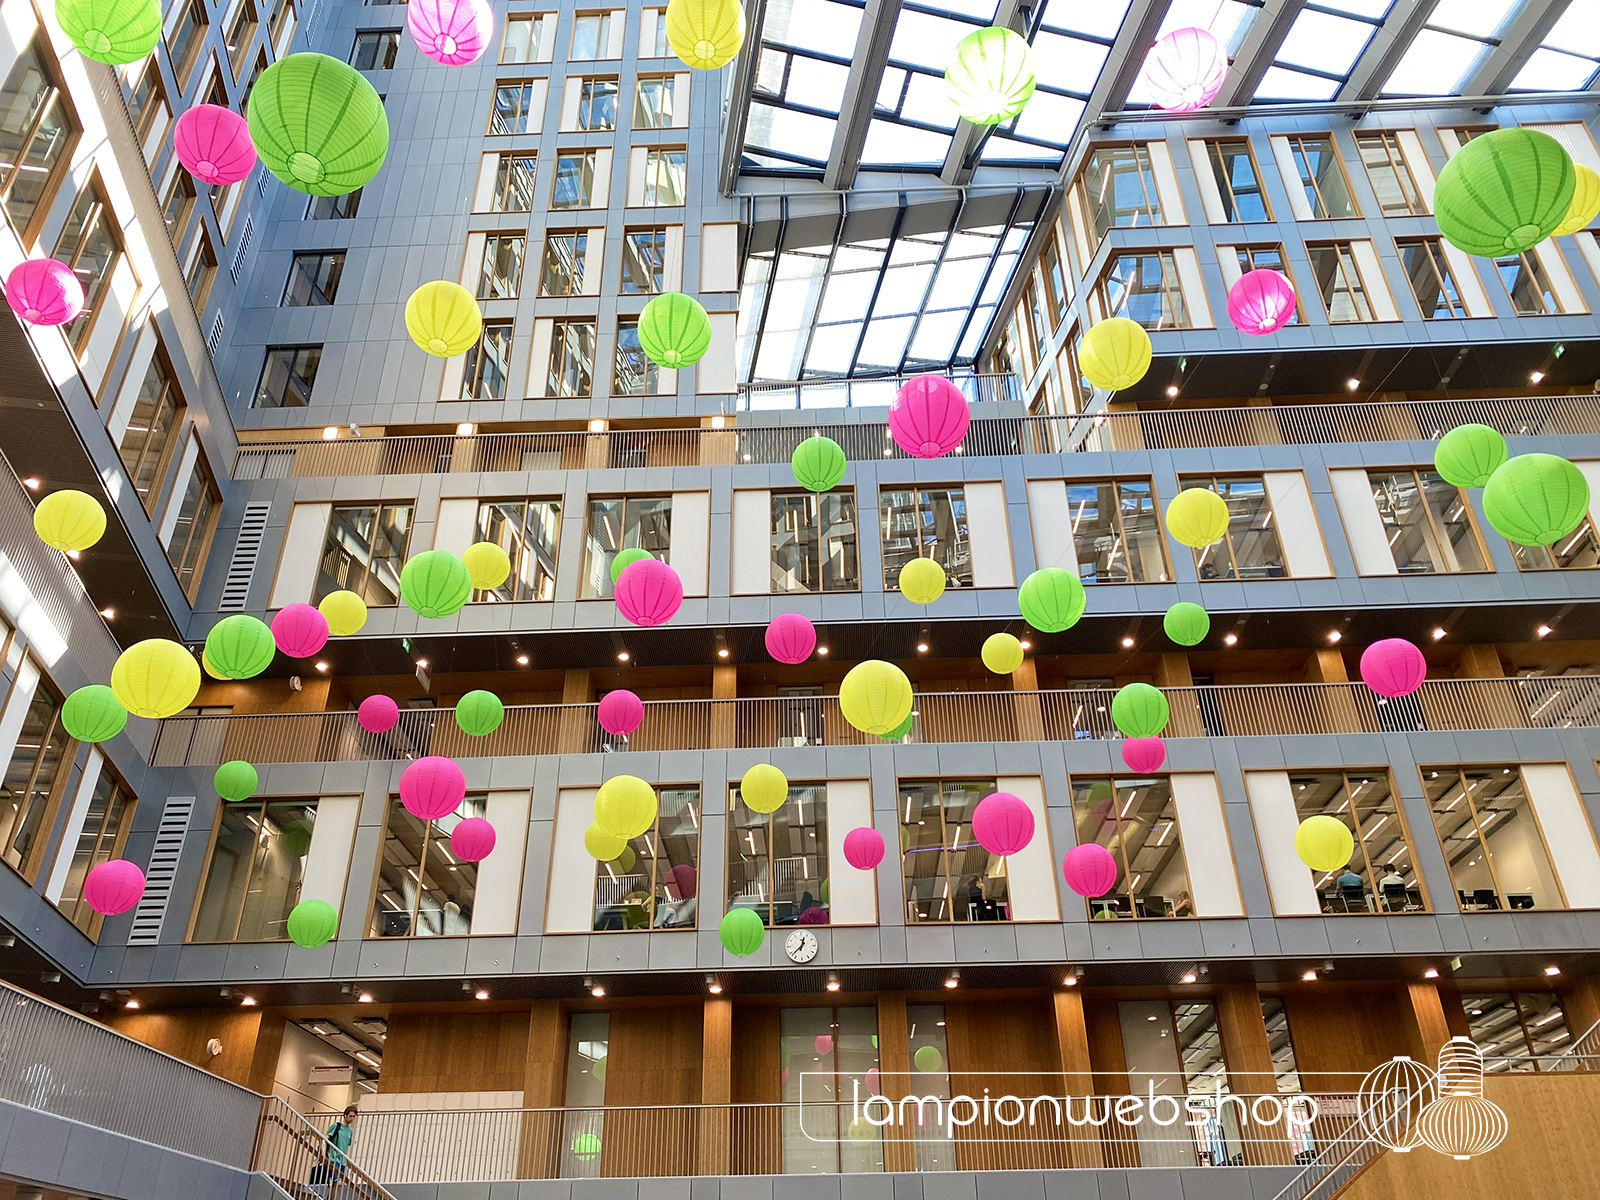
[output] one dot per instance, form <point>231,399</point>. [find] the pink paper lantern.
<point>823,1045</point>
<point>43,291</point>
<point>1144,755</point>
<point>1393,667</point>
<point>648,592</point>
<point>432,787</point>
<point>814,915</point>
<point>863,848</point>
<point>929,416</point>
<point>300,630</point>
<point>1090,870</point>
<point>872,1080</point>
<point>791,638</point>
<point>1184,70</point>
<point>377,714</point>
<point>1261,302</point>
<point>619,712</point>
<point>1002,823</point>
<point>683,878</point>
<point>472,840</point>
<point>213,144</point>
<point>451,32</point>
<point>112,887</point>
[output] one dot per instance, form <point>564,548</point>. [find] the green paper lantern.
<point>1536,499</point>
<point>1186,623</point>
<point>674,330</point>
<point>479,713</point>
<point>928,1060</point>
<point>295,840</point>
<point>312,922</point>
<point>622,558</point>
<point>239,647</point>
<point>599,1071</point>
<point>92,714</point>
<point>991,76</point>
<point>899,731</point>
<point>318,125</point>
<point>742,932</point>
<point>435,583</point>
<point>818,463</point>
<point>111,31</point>
<point>1469,454</point>
<point>1504,192</point>
<point>586,1146</point>
<point>236,780</point>
<point>1139,711</point>
<point>1051,599</point>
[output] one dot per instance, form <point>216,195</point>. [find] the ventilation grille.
<point>214,338</point>
<point>244,244</point>
<point>152,910</point>
<point>261,181</point>
<point>311,21</point>
<point>236,584</point>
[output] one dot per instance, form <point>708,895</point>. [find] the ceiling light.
<point>364,998</point>
<point>423,663</point>
<point>73,555</point>
<point>322,666</point>
<point>595,989</point>
<point>1230,639</point>
<point>130,1002</point>
<point>1309,977</point>
<point>953,979</point>
<point>108,612</point>
<point>329,432</point>
<point>723,652</point>
<point>1172,391</point>
<point>597,424</point>
<point>31,483</point>
<point>522,660</point>
<point>713,985</point>
<point>833,981</point>
<point>1438,634</point>
<point>1188,977</point>
<point>1352,384</point>
<point>466,429</point>
<point>1127,643</point>
<point>248,1001</point>
<point>922,647</point>
<point>1552,970</point>
<point>1431,973</point>
<point>1071,980</point>
<point>481,994</point>
<point>718,421</point>
<point>822,649</point>
<point>622,656</point>
<point>1544,631</point>
<point>1025,644</point>
<point>1334,635</point>
<point>1537,377</point>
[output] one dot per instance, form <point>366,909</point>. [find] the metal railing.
<point>298,1157</point>
<point>868,393</point>
<point>1582,1055</point>
<point>1246,710</point>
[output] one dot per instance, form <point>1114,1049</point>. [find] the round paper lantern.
<point>586,1146</point>
<point>43,291</point>
<point>991,76</point>
<point>113,886</point>
<point>299,630</point>
<point>318,124</point>
<point>377,714</point>
<point>1184,70</point>
<point>1144,755</point>
<point>1469,454</point>
<point>1261,302</point>
<point>875,696</point>
<point>674,331</point>
<point>111,31</point>
<point>155,678</point>
<point>625,806</point>
<point>92,714</point>
<point>213,144</point>
<point>450,32</point>
<point>1585,204</point>
<point>684,880</point>
<point>344,611</point>
<point>1324,843</point>
<point>1393,667</point>
<point>863,848</point>
<point>295,840</point>
<point>472,840</point>
<point>1187,623</point>
<point>69,520</point>
<point>479,713</point>
<point>899,731</point>
<point>1392,1097</point>
<point>764,788</point>
<point>236,780</point>
<point>432,787</point>
<point>822,1044</point>
<point>1139,710</point>
<point>599,1071</point>
<point>623,559</point>
<point>791,638</point>
<point>928,416</point>
<point>435,584</point>
<point>619,712</point>
<point>1536,499</point>
<point>312,922</point>
<point>443,318</point>
<point>1002,823</point>
<point>1462,1126</point>
<point>1504,192</point>
<point>1090,870</point>
<point>648,592</point>
<point>1197,517</point>
<point>625,859</point>
<point>603,846</point>
<point>1051,599</point>
<point>239,647</point>
<point>741,930</point>
<point>871,1079</point>
<point>488,566</point>
<point>704,34</point>
<point>1115,354</point>
<point>928,1060</point>
<point>922,581</point>
<point>818,463</point>
<point>1002,653</point>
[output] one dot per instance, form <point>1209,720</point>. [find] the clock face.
<point>801,946</point>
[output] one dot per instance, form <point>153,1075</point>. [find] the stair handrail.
<point>305,1151</point>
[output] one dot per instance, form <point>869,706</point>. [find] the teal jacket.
<point>340,1136</point>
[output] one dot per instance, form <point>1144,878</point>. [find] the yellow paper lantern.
<point>603,846</point>
<point>704,34</point>
<point>1002,653</point>
<point>344,611</point>
<point>764,788</point>
<point>922,581</point>
<point>443,318</point>
<point>155,678</point>
<point>487,565</point>
<point>875,696</point>
<point>1585,202</point>
<point>1197,517</point>
<point>69,520</point>
<point>1115,354</point>
<point>625,807</point>
<point>1324,843</point>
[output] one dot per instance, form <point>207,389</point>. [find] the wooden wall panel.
<point>1338,1036</point>
<point>757,1079</point>
<point>455,1052</point>
<point>653,1057</point>
<point>986,1039</point>
<point>183,1033</point>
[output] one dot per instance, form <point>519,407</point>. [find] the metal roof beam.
<point>861,92</point>
<point>1532,24</point>
<point>1260,46</point>
<point>744,82</point>
<point>1387,47</point>
<point>968,139</point>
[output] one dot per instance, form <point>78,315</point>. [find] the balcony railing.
<point>1252,710</point>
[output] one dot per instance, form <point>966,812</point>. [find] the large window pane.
<point>501,276</point>
<point>101,838</point>
<point>1381,875</point>
<point>1339,283</point>
<point>1239,185</point>
<point>571,370</point>
<point>90,245</point>
<point>1145,288</point>
<point>1322,177</point>
<point>654,882</point>
<point>156,413</point>
<point>488,363</point>
<point>1491,839</point>
<point>928,523</point>
<point>948,876</point>
<point>1515,1030</point>
<point>814,542</point>
<point>1120,187</point>
<point>252,882</point>
<point>827,1053</point>
<point>364,551</point>
<point>622,523</point>
<point>32,775</point>
<point>35,132</point>
<point>1115,530</point>
<point>1432,283</point>
<point>529,531</point>
<point>632,372</point>
<point>1137,821</point>
<point>423,889</point>
<point>777,861</point>
<point>1250,549</point>
<point>1427,522</point>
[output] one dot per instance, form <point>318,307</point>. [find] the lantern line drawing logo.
<point>1404,1104</point>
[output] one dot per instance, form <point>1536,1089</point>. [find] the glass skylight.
<point>1569,57</point>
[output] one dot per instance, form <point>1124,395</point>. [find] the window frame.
<point>559,351</point>
<point>333,202</point>
<point>241,49</point>
<point>1171,285</point>
<point>1117,481</point>
<point>360,586</point>
<point>523,115</point>
<point>491,240</point>
<point>1248,252</point>
<point>1210,482</point>
<point>519,550</point>
<point>538,31</point>
<point>575,272</point>
<point>583,155</point>
<point>624,498</point>
<point>197,536</point>
<point>586,103</point>
<point>76,910</point>
<point>670,81</point>
<point>1522,554</point>
<point>295,260</point>
<point>1124,866</point>
<point>1308,179</point>
<point>651,371</point>
<point>1544,843</point>
<point>376,36</point>
<point>1405,178</point>
<point>653,835</point>
<point>781,495</point>
<point>961,532</point>
<point>182,71</point>
<point>735,830</point>
<point>939,781</point>
<point>1432,248</point>
<point>1397,801</point>
<point>1144,168</point>
<point>153,497</point>
<point>477,802</point>
<point>622,276</point>
<point>474,365</point>
<point>102,219</point>
<point>204,257</point>
<point>1344,250</point>
<point>260,804</point>
<point>1530,263</point>
<point>297,349</point>
<point>1433,524</point>
<point>658,166</point>
<point>505,167</point>
<point>49,804</point>
<point>1230,198</point>
<point>607,16</point>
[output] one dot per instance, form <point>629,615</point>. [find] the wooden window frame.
<point>1347,267</point>
<point>1433,249</point>
<point>104,219</point>
<point>1232,199</point>
<point>154,499</point>
<point>1389,140</point>
<point>1308,178</point>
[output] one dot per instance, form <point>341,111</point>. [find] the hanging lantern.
<point>300,630</point>
<point>1186,623</point>
<point>1324,843</point>
<point>764,788</point>
<point>452,33</point>
<point>1459,1121</point>
<point>586,1146</point>
<point>377,714</point>
<point>875,696</point>
<point>1139,710</point>
<point>472,840</point>
<point>113,887</point>
<point>312,923</point>
<point>1115,354</point>
<point>623,559</point>
<point>1261,302</point>
<point>899,731</point>
<point>111,31</point>
<point>1392,1097</point>
<point>155,678</point>
<point>603,846</point>
<point>818,463</point>
<point>790,638</point>
<point>1144,755</point>
<point>319,126</point>
<point>1469,454</point>
<point>479,713</point>
<point>1585,204</point>
<point>1002,653</point>
<point>239,647</point>
<point>648,592</point>
<point>1504,192</point>
<point>625,860</point>
<point>432,787</point>
<point>625,806</point>
<point>928,1060</point>
<point>928,416</point>
<point>1536,499</point>
<point>1090,870</point>
<point>435,584</point>
<point>1393,667</point>
<point>991,76</point>
<point>69,520</point>
<point>922,581</point>
<point>1184,70</point>
<point>1051,600</point>
<point>443,318</point>
<point>344,611</point>
<point>1197,517</point>
<point>683,879</point>
<point>92,714</point>
<point>704,34</point>
<point>236,780</point>
<point>213,144</point>
<point>863,848</point>
<point>43,291</point>
<point>619,712</point>
<point>674,331</point>
<point>741,930</point>
<point>1002,823</point>
<point>488,566</point>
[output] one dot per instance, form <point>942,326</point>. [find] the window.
<point>777,861</point>
<point>364,551</point>
<point>1281,1045</point>
<point>644,260</point>
<point>1338,279</point>
<point>1327,193</point>
<point>1116,533</point>
<point>597,104</point>
<point>313,279</point>
<point>571,359</point>
<point>591,35</point>
<point>1491,839</point>
<point>655,102</point>
<point>145,100</point>
<point>529,531</point>
<point>1250,549</point>
<point>948,876</point>
<point>513,183</point>
<point>92,247</point>
<point>375,50</point>
<point>191,534</point>
<point>1120,186</point>
<point>828,1052</point>
<point>257,864</point>
<point>564,258</point>
<point>1580,550</point>
<point>201,273</point>
<point>333,208</point>
<point>584,1118</point>
<point>282,15</point>
<point>814,542</point>
<point>652,883</point>
<point>423,890</point>
<point>1055,284</point>
<point>501,276</point>
<point>527,37</point>
<point>102,837</point>
<point>183,47</point>
<point>287,376</point>
<point>1528,285</point>
<point>1381,876</point>
<point>1428,523</point>
<point>1432,284</point>
<point>488,363</point>
<point>655,47</point>
<point>1268,258</point>
<point>1238,182</point>
<point>574,182</point>
<point>1392,181</point>
<point>40,763</point>
<point>1137,821</point>
<point>36,132</point>
<point>157,413</point>
<point>665,177</point>
<point>927,523</point>
<point>1144,288</point>
<point>241,32</point>
<point>175,209</point>
<point>514,107</point>
<point>925,1026</point>
<point>622,523</point>
<point>1523,1026</point>
<point>632,373</point>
